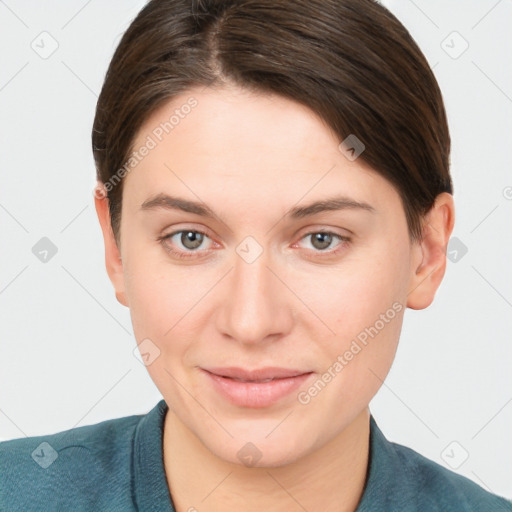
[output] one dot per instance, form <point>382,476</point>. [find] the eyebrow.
<point>164,201</point>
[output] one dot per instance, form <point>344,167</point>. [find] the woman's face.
<point>262,287</point>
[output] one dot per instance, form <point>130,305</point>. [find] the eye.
<point>191,242</point>
<point>322,240</point>
<point>188,241</point>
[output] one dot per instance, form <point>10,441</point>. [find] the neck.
<point>331,478</point>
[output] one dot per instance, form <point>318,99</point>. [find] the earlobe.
<point>429,254</point>
<point>113,260</point>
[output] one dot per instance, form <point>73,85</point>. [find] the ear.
<point>429,253</point>
<point>113,260</point>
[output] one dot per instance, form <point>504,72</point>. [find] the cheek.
<point>159,305</point>
<point>363,309</point>
<point>160,294</point>
<point>354,295</point>
<point>149,307</point>
<point>167,307</point>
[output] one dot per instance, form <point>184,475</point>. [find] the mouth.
<point>257,375</point>
<point>255,388</point>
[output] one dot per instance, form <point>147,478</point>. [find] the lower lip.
<point>255,394</point>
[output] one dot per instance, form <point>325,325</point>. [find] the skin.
<point>251,158</point>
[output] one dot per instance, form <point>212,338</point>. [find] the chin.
<point>260,452</point>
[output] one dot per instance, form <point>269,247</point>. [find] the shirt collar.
<point>150,489</point>
<point>386,487</point>
<point>384,482</point>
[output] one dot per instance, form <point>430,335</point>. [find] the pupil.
<point>191,239</point>
<point>324,239</point>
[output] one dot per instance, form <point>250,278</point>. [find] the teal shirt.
<point>117,465</point>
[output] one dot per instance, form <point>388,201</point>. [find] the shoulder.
<point>68,468</point>
<point>438,488</point>
<point>399,478</point>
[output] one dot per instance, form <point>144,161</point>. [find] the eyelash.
<point>180,254</point>
<point>344,240</point>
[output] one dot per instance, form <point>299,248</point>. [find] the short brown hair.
<point>350,61</point>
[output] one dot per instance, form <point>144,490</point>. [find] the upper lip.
<point>269,372</point>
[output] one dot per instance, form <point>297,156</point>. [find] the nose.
<point>256,305</point>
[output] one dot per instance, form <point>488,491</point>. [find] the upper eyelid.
<point>342,238</point>
<point>207,231</point>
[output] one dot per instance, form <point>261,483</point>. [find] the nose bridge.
<point>254,305</point>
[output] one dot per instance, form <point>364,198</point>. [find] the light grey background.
<point>66,352</point>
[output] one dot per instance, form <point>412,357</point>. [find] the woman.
<point>274,192</point>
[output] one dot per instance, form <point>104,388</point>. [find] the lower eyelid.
<point>343,240</point>
<point>171,235</point>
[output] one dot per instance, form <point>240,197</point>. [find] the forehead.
<point>248,149</point>
<point>240,122</point>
